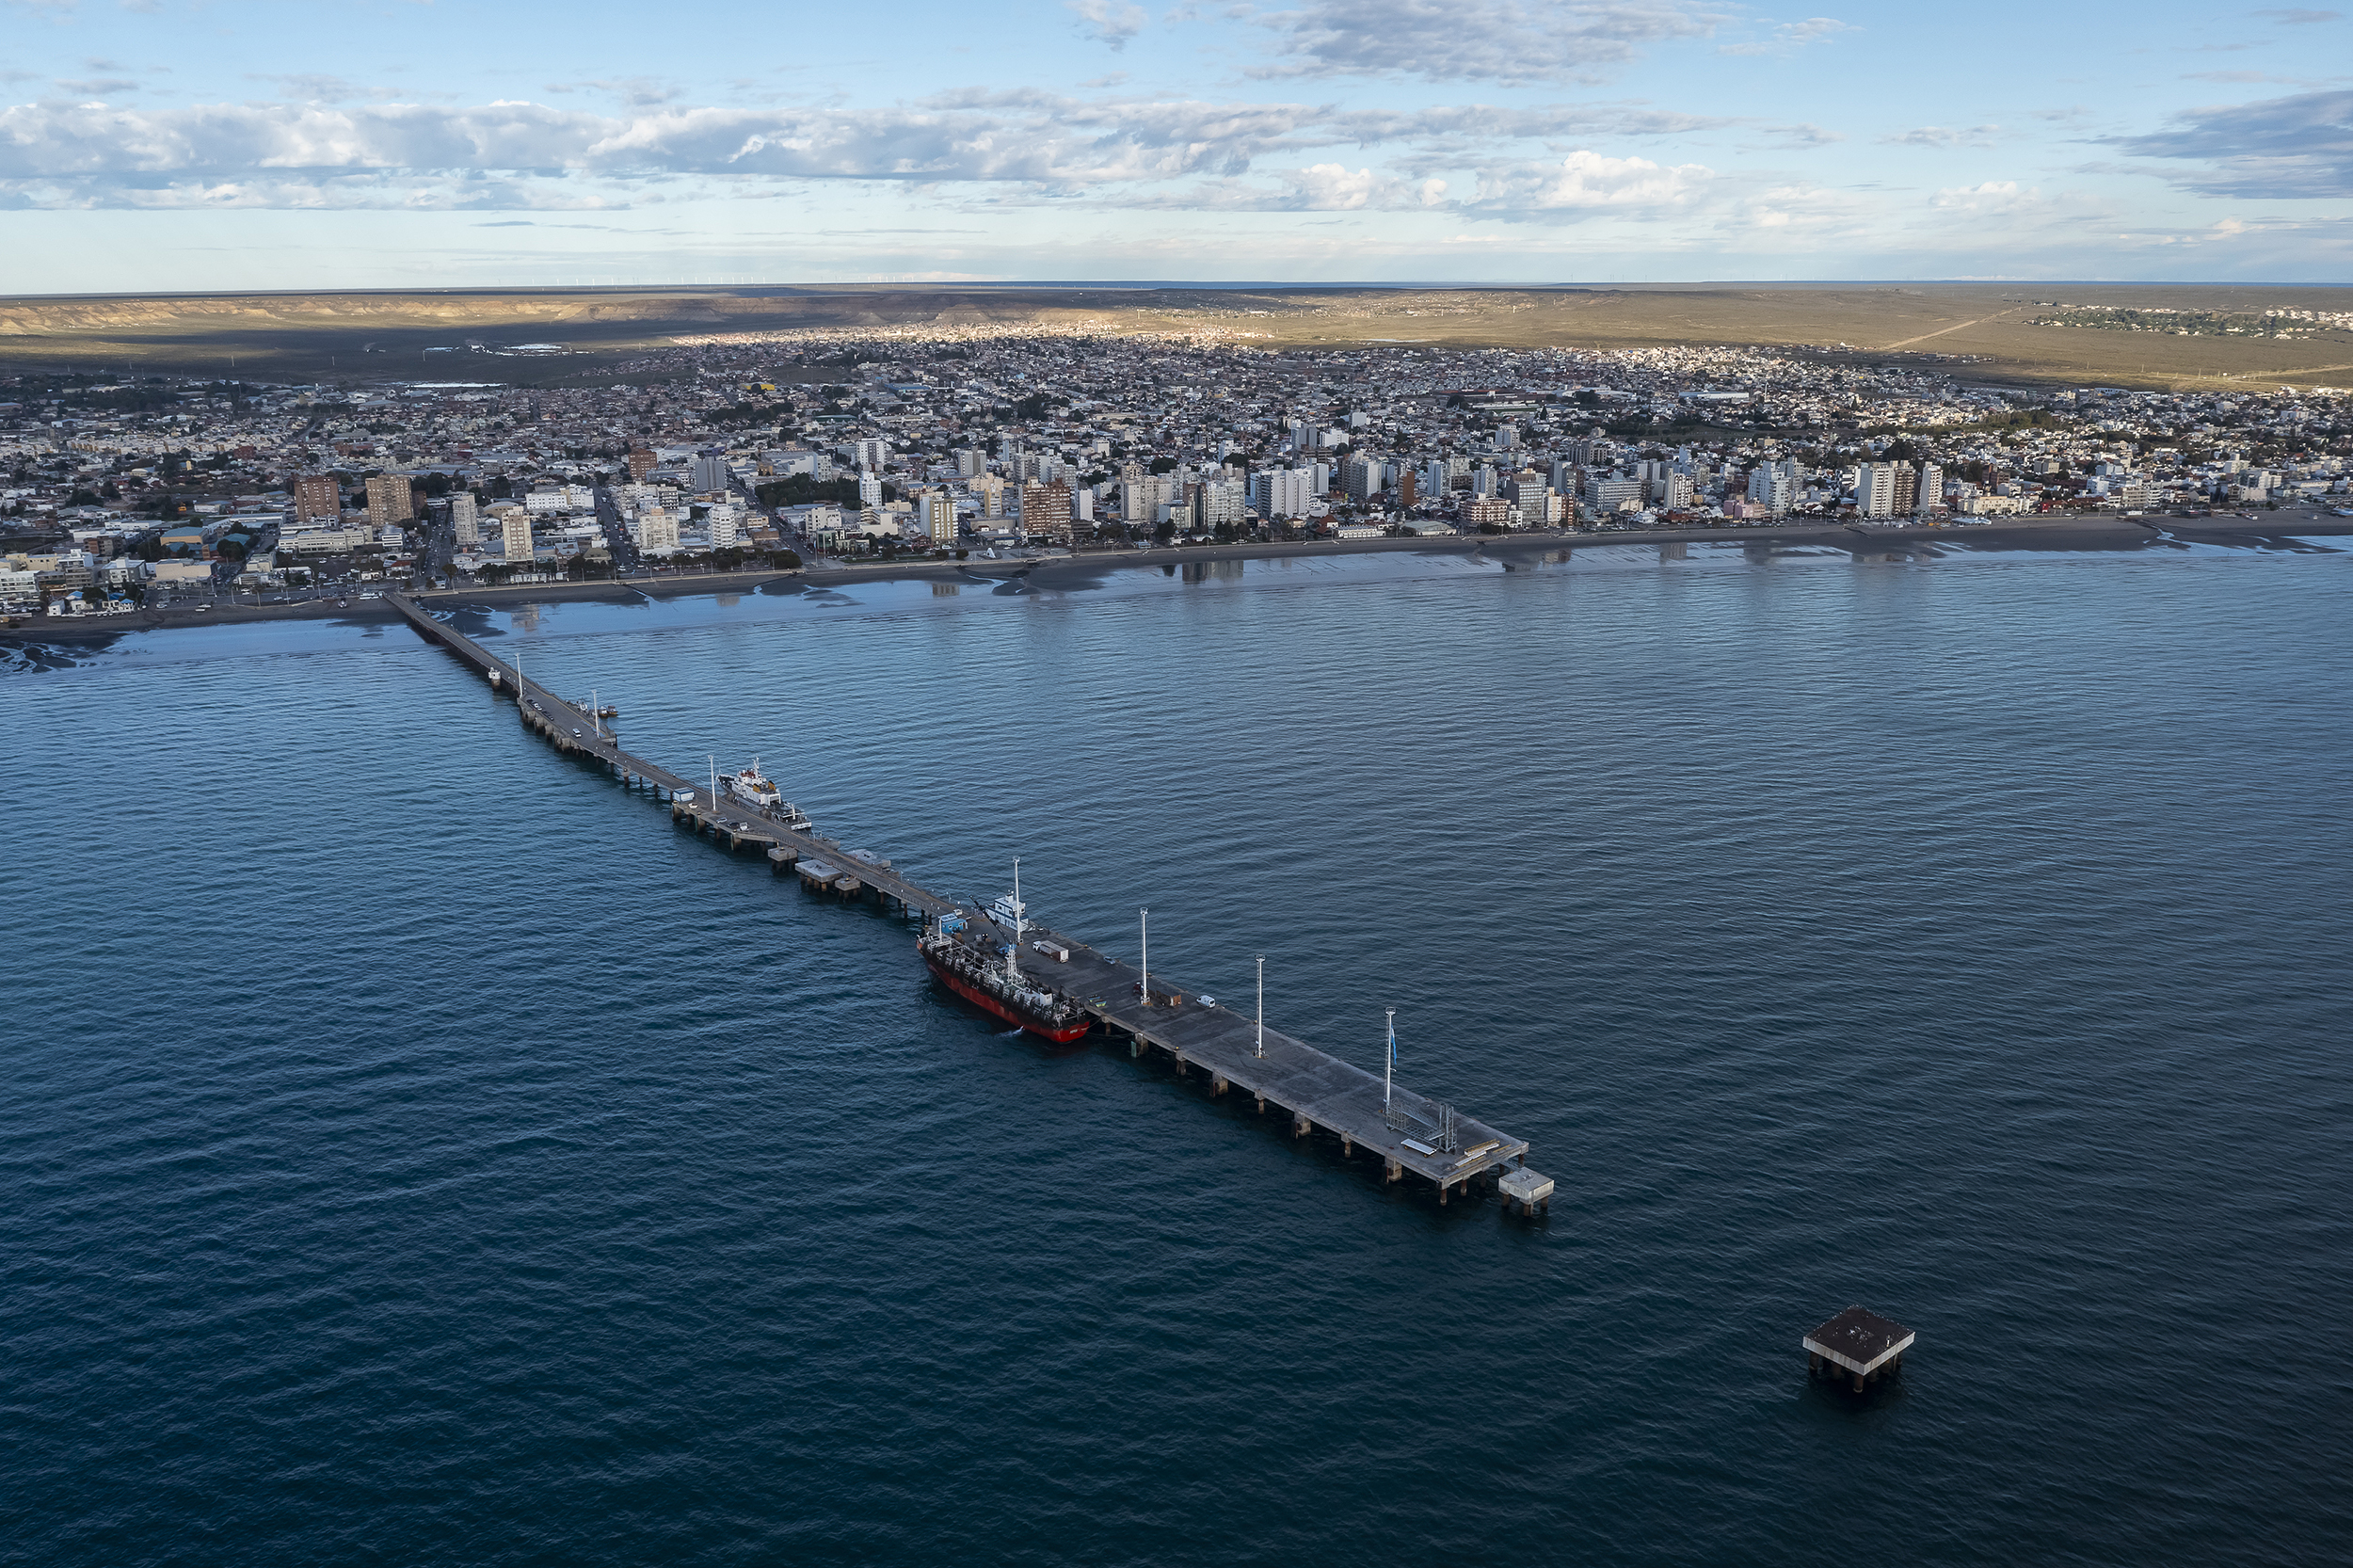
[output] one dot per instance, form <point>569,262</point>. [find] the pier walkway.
<point>1318,1092</point>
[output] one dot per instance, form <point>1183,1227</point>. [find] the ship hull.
<point>1003,1009</point>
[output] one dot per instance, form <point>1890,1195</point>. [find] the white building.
<point>514,534</point>
<point>1223,500</point>
<point>465,520</point>
<point>1282,492</point>
<point>1874,490</point>
<point>1932,487</point>
<point>1775,485</point>
<point>1144,499</point>
<point>657,531</point>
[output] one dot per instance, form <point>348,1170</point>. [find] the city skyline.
<point>157,146</point>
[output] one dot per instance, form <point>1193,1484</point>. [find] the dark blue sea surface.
<point>417,1150</point>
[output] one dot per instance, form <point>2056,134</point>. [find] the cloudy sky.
<point>165,144</point>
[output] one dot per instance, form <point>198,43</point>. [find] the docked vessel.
<point>754,789</point>
<point>988,974</point>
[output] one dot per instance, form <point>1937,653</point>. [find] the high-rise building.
<point>1282,492</point>
<point>1045,510</point>
<point>936,511</point>
<point>1875,489</point>
<point>1361,477</point>
<point>317,498</point>
<point>1530,498</point>
<point>657,531</point>
<point>1221,501</point>
<point>1408,490</point>
<point>390,503</point>
<point>712,476</point>
<point>990,491</point>
<point>723,524</point>
<point>464,520</point>
<point>869,490</point>
<point>514,533</point>
<point>873,453</point>
<point>1932,489</point>
<point>1907,490</point>
<point>1145,500</point>
<point>970,461</point>
<point>640,462</point>
<point>1772,486</point>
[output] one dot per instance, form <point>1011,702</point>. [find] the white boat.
<point>752,788</point>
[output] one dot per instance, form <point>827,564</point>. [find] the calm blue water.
<point>416,1150</point>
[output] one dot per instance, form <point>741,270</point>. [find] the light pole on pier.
<point>1261,1046</point>
<point>1144,940</point>
<point>1388,1063</point>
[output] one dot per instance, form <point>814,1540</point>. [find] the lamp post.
<point>1144,940</point>
<point>1261,1045</point>
<point>1388,1063</point>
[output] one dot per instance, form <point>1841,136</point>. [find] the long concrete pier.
<point>1316,1092</point>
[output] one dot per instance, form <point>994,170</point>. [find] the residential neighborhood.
<point>779,449</point>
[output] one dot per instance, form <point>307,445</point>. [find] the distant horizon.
<point>1484,286</point>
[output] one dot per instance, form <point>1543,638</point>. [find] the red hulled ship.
<point>955,951</point>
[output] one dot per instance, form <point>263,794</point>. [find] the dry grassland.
<point>372,336</point>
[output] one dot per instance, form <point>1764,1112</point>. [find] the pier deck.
<point>1318,1090</point>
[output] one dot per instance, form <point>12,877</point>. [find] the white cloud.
<point>1018,136</point>
<point>1109,21</point>
<point>1494,41</point>
<point>1586,183</point>
<point>1992,196</point>
<point>1944,136</point>
<point>1791,36</point>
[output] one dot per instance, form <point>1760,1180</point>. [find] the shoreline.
<point>2072,533</point>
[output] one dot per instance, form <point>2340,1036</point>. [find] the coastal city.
<point>825,446</point>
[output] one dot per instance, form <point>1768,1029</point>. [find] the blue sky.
<point>159,144</point>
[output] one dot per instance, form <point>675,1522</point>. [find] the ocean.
<point>417,1150</point>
